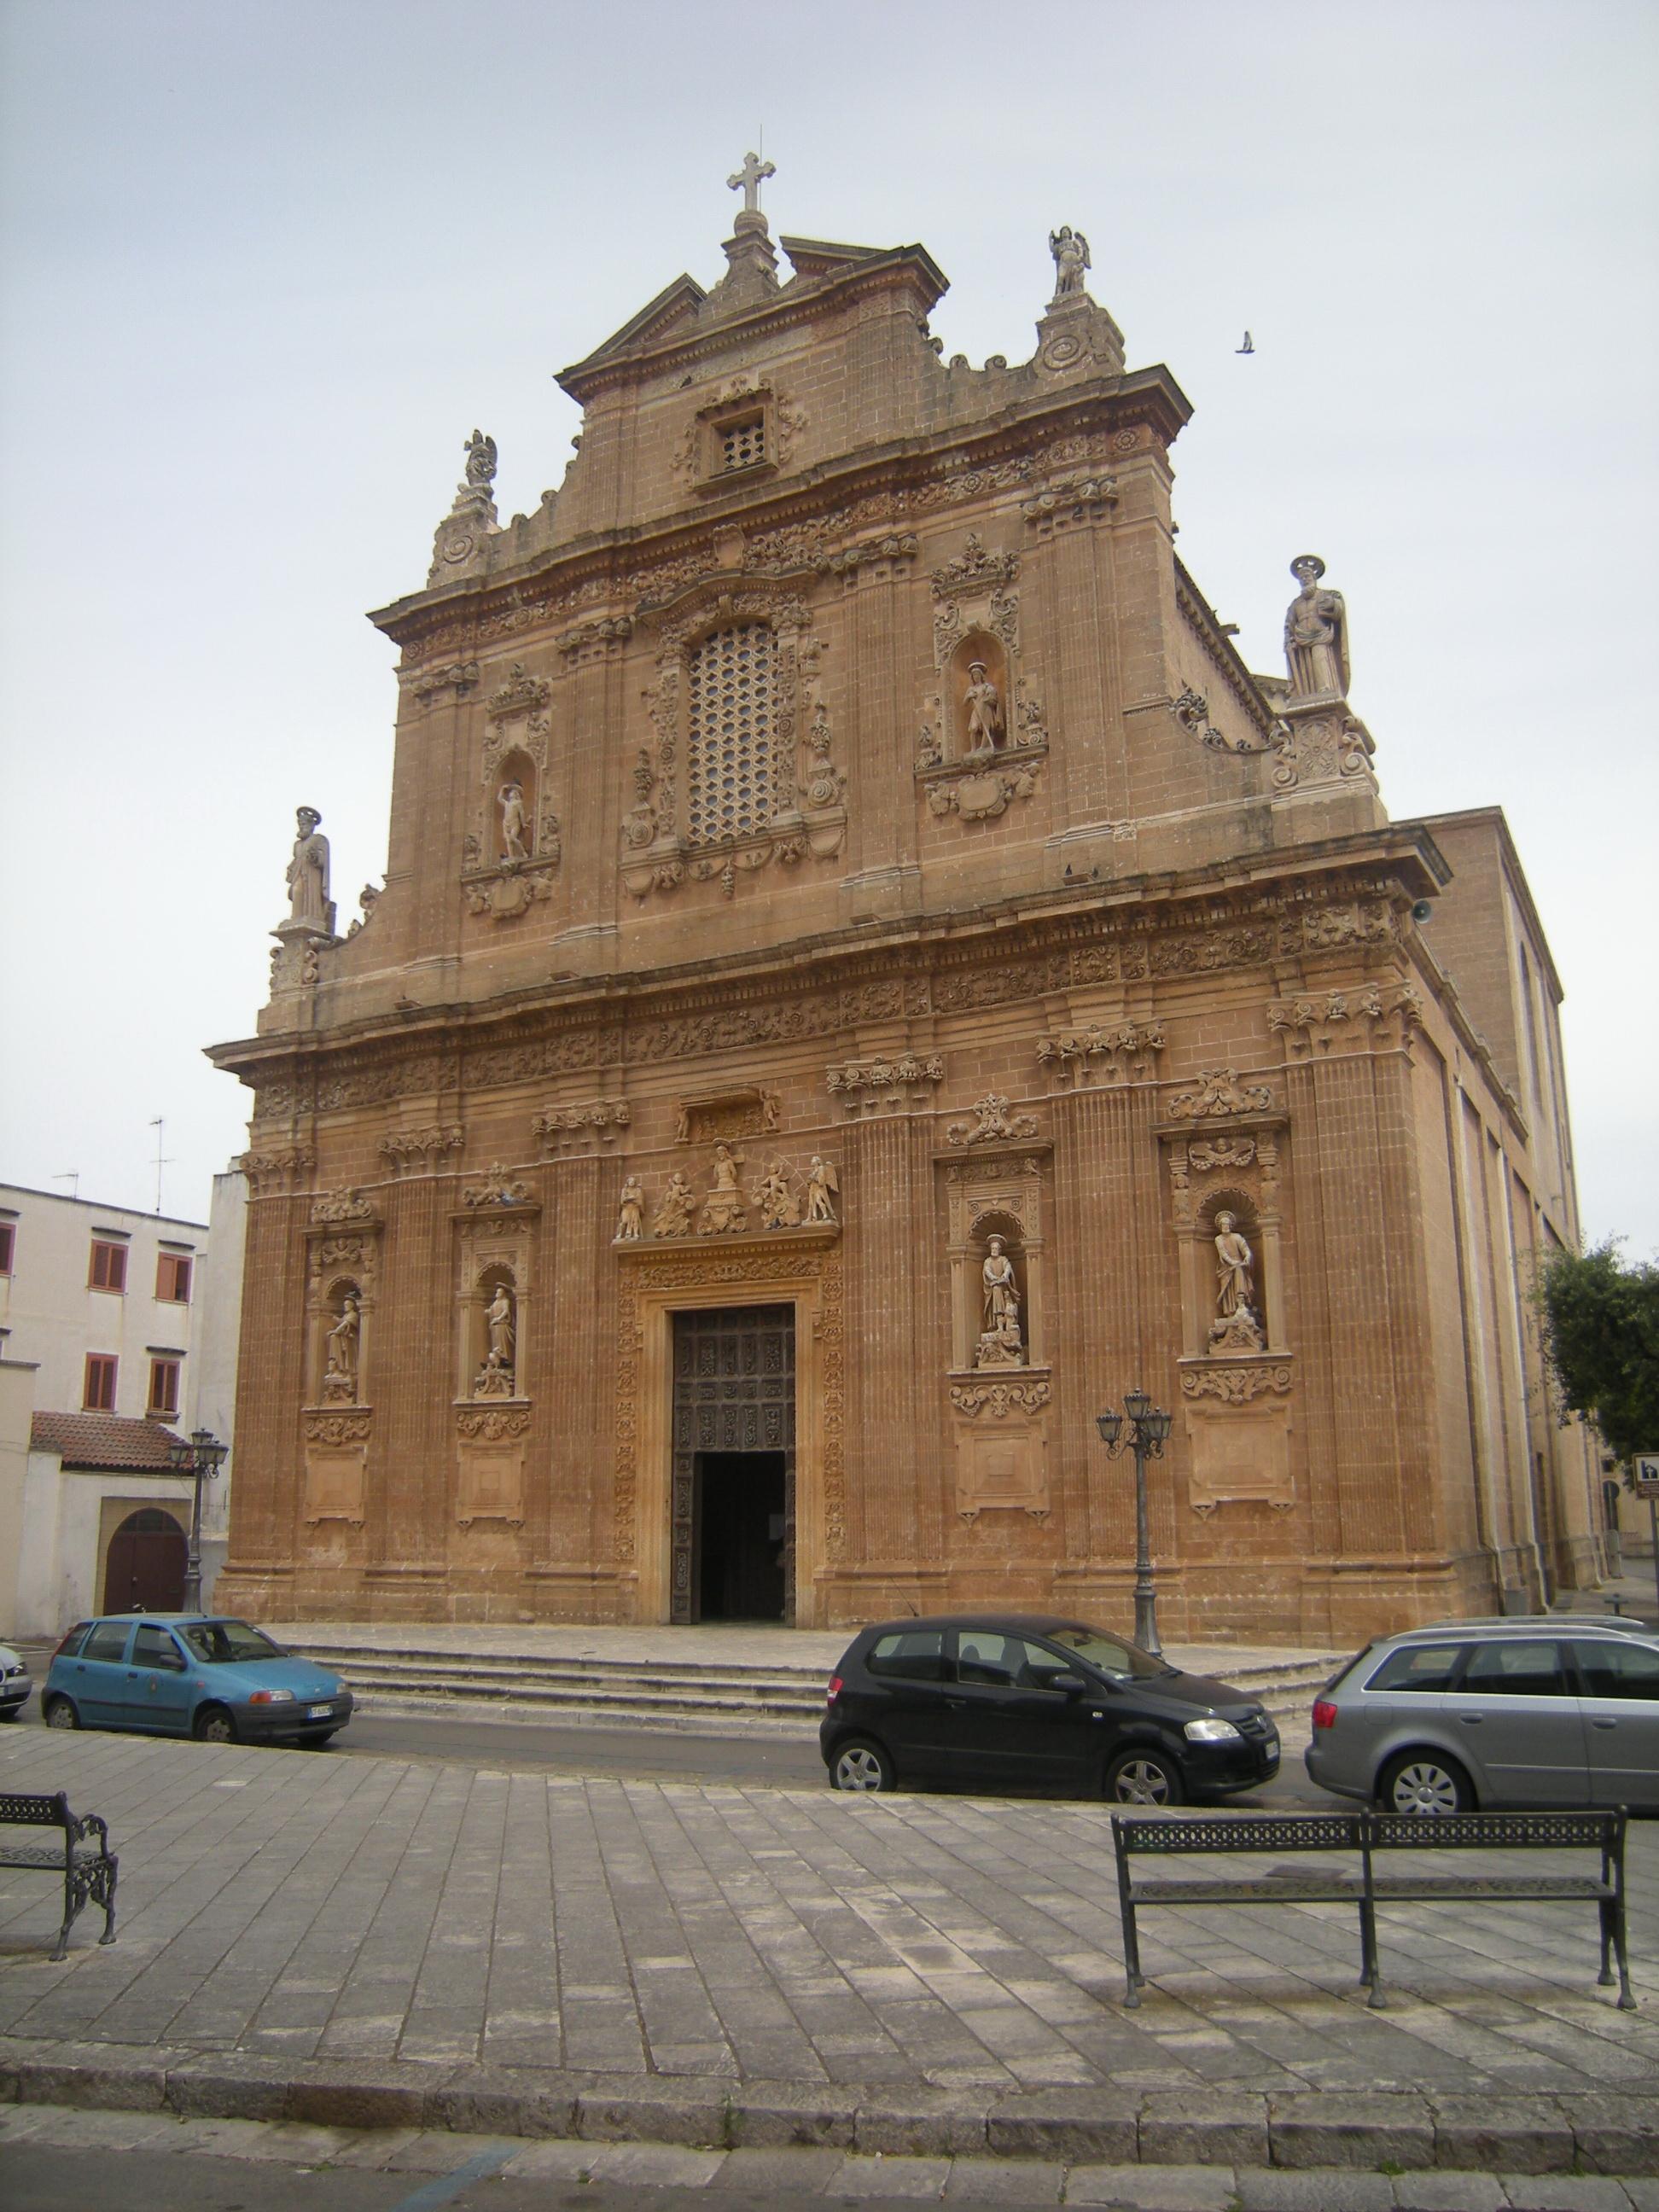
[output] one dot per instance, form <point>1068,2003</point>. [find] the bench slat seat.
<point>1372,1835</point>
<point>84,1858</point>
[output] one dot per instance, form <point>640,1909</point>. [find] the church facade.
<point>865,975</point>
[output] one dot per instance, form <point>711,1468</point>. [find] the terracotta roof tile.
<point>102,1440</point>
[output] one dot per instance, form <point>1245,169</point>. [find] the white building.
<point>117,1336</point>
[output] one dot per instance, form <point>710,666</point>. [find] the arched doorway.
<point>145,1565</point>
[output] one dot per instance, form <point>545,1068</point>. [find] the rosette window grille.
<point>733,691</point>
<point>742,443</point>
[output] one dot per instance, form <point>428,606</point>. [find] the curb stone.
<point>1512,2134</point>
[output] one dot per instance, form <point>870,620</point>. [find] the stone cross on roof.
<point>749,180</point>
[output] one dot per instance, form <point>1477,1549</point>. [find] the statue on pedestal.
<point>630,1211</point>
<point>1070,250</point>
<point>511,802</point>
<point>723,1207</point>
<point>307,876</point>
<point>1000,1343</point>
<point>340,1376</point>
<point>495,1377</point>
<point>673,1215</point>
<point>821,1188</point>
<point>1236,1328</point>
<point>1316,636</point>
<point>983,704</point>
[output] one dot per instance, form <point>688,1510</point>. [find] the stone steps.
<point>709,1697</point>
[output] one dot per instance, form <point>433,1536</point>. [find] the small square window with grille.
<point>742,443</point>
<point>730,755</point>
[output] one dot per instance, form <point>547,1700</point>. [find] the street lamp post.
<point>1149,1425</point>
<point>200,1457</point>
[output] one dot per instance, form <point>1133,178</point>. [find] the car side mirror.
<point>1073,1686</point>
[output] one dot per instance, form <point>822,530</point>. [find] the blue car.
<point>189,1673</point>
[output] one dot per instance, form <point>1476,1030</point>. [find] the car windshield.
<point>223,1643</point>
<point>1110,1655</point>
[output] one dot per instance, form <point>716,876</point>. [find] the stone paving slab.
<point>376,1942</point>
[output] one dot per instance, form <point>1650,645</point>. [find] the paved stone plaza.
<point>380,1941</point>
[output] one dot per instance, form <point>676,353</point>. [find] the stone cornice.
<point>1066,928</point>
<point>549,582</point>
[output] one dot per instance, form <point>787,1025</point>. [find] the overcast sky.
<point>267,262</point>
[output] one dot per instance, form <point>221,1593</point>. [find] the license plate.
<point>319,1713</point>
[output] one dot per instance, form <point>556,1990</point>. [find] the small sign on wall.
<point>1644,1474</point>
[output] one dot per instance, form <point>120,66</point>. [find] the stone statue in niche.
<point>722,1209</point>
<point>1000,1343</point>
<point>673,1215</point>
<point>340,1376</point>
<point>307,876</point>
<point>1316,636</point>
<point>773,1199</point>
<point>495,1377</point>
<point>630,1211</point>
<point>983,708</point>
<point>1070,250</point>
<point>1236,1328</point>
<point>821,1189</point>
<point>511,802</point>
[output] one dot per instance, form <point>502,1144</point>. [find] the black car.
<point>997,1701</point>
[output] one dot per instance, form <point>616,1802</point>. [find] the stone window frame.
<point>719,424</point>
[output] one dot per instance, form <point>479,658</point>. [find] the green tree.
<point>1602,1331</point>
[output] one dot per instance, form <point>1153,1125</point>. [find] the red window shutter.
<point>8,1230</point>
<point>100,1393</point>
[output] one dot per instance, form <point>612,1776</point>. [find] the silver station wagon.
<point>1552,1711</point>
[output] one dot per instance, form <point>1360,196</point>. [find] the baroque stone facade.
<point>865,976</point>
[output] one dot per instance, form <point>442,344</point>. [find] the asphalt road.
<point>755,1761</point>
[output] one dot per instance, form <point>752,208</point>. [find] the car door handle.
<point>957,1704</point>
<point>1470,1720</point>
<point>132,1673</point>
<point>1602,1723</point>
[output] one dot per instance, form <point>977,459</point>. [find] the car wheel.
<point>214,1725</point>
<point>61,1714</point>
<point>1425,1785</point>
<point>1145,1777</point>
<point>861,1765</point>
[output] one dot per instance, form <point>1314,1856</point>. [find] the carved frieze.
<point>415,1152</point>
<point>725,1116</point>
<point>605,633</point>
<point>274,1173</point>
<point>565,1129</point>
<point>1028,1395</point>
<point>520,695</point>
<point>1233,1383</point>
<point>495,1423</point>
<point>326,1428</point>
<point>342,1206</point>
<point>873,1086</point>
<point>1218,1092</point>
<point>972,570</point>
<point>499,1187</point>
<point>978,793</point>
<point>1327,1023</point>
<point>992,1123</point>
<point>457,677</point>
<point>1105,1053</point>
<point>1069,500</point>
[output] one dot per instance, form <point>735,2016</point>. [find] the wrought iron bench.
<point>1371,1834</point>
<point>85,1861</point>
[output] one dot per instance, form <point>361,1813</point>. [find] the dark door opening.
<point>740,1535</point>
<point>145,1566</point>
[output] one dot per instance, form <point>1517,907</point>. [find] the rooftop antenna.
<point>158,1125</point>
<point>72,1177</point>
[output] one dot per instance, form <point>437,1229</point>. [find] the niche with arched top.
<point>338,1348</point>
<point>1228,1227</point>
<point>491,1353</point>
<point>977,697</point>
